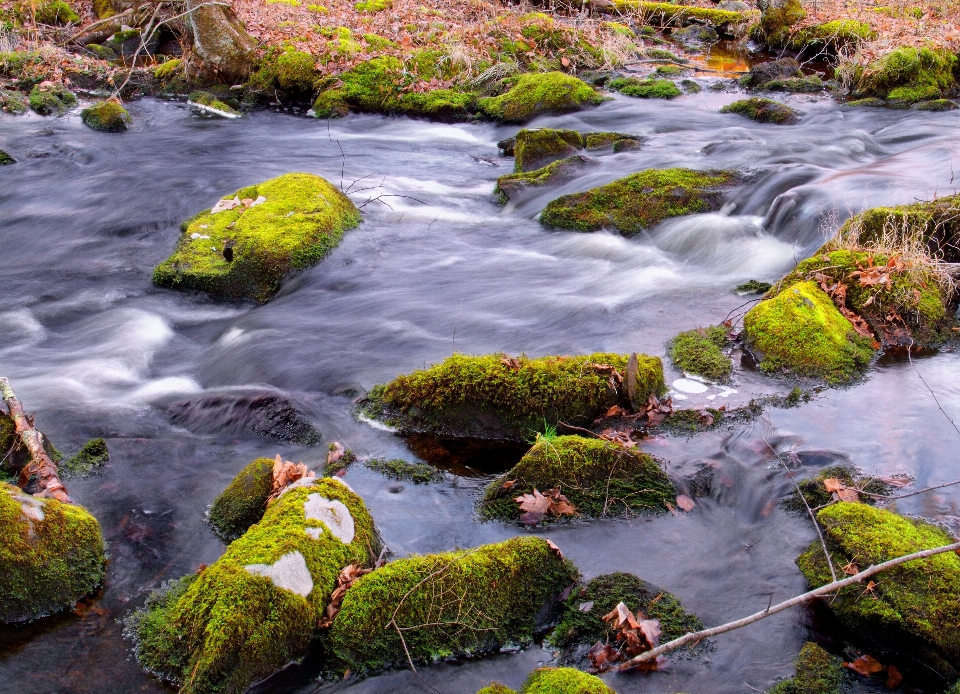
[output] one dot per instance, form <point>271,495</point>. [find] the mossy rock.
<point>288,69</point>
<point>600,478</point>
<point>832,36</point>
<point>914,608</point>
<point>776,21</point>
<point>399,469</point>
<point>777,70</point>
<point>645,88</point>
<point>936,105</point>
<point>763,111</point>
<point>510,185</point>
<point>602,140</point>
<point>18,64</point>
<point>801,331</point>
<point>581,624</point>
<point>536,148</point>
<point>937,222</point>
<point>212,102</point>
<point>639,201</point>
<point>810,85</point>
<point>245,252</point>
<point>507,398</point>
<point>48,98</point>
<point>89,459</point>
<point>818,672</point>
<point>13,102</point>
<point>257,608</point>
<point>536,94</point>
<point>815,492</point>
<point>244,501</point>
<point>700,352</point>
<point>496,688</point>
<point>54,12</point>
<point>107,116</point>
<point>753,287</point>
<point>563,680</point>
<point>909,75</point>
<point>6,159</point>
<point>167,69</point>
<point>669,14</point>
<point>464,602</point>
<point>52,555</point>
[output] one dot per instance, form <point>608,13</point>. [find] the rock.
<point>267,414</point>
<point>246,252</point>
<point>909,75</point>
<point>536,94</point>
<point>696,34</point>
<point>733,6</point>
<point>89,459</point>
<point>753,287</point>
<point>257,608</point>
<point>499,397</point>
<point>601,479</point>
<point>443,604</point>
<point>244,500</point>
<point>287,69</point>
<point>507,146</point>
<point>397,469</point>
<point>763,111</point>
<point>912,609</point>
<point>639,201</point>
<point>619,141</point>
<point>107,116</point>
<point>54,12</point>
<point>6,159</point>
<point>554,680</point>
<point>936,105</point>
<point>13,102</point>
<point>700,352</point>
<point>581,624</point>
<point>818,672</point>
<point>52,555</point>
<point>48,98</point>
<point>761,73</point>
<point>224,48</point>
<point>536,148</point>
<point>644,88</point>
<point>808,85</point>
<point>801,331</point>
<point>511,185</point>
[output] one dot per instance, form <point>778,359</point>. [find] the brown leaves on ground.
<point>657,410</point>
<point>840,491</point>
<point>838,292</point>
<point>286,473</point>
<point>537,506</point>
<point>348,576</point>
<point>868,666</point>
<point>633,634</point>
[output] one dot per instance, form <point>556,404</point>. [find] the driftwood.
<point>40,465</point>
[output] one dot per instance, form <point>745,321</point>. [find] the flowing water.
<point>93,349</point>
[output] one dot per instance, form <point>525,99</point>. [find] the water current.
<point>93,349</point>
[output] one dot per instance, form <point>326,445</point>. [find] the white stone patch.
<point>259,201</point>
<point>315,533</point>
<point>31,507</point>
<point>688,385</point>
<point>333,514</point>
<point>223,205</point>
<point>302,482</point>
<point>196,236</point>
<point>289,572</point>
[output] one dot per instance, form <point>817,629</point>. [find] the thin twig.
<point>580,429</point>
<point>910,357</point>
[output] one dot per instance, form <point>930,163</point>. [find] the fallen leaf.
<point>685,502</point>
<point>847,494</point>
<point>832,484</point>
<point>585,606</point>
<point>865,665</point>
<point>565,61</point>
<point>851,569</point>
<point>509,484</point>
<point>335,453</point>
<point>602,656</point>
<point>894,678</point>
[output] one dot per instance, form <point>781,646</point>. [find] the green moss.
<point>809,84</point>
<point>534,148</point>
<point>618,28</point>
<point>107,116</point>
<point>496,688</point>
<point>442,603</point>
<point>167,69</point>
<point>53,12</point>
<point>296,71</point>
<point>102,52</point>
<point>639,201</point>
<point>301,220</point>
<point>664,54</point>
<point>378,43</point>
<point>645,88</point>
<point>753,287</point>
<point>700,352</point>
<point>800,330</point>
<point>373,6</point>
<point>818,672</point>
<point>230,627</point>
<point>816,494</point>
<point>103,9</point>
<point>910,75</point>
<point>90,458</point>
<point>536,94</point>
<point>763,111</point>
<point>511,184</point>
<point>913,608</point>
<point>669,70</point>
<point>602,140</point>
<point>17,63</point>
<point>936,105</point>
<point>581,624</point>
<point>48,99</point>
<point>6,159</point>
<point>668,14</point>
<point>505,397</point>
<point>777,19</point>
<point>208,99</point>
<point>12,102</point>
<point>869,101</point>
<point>52,555</point>
<point>600,478</point>
<point>563,680</point>
<point>397,469</point>
<point>833,36</point>
<point>244,500</point>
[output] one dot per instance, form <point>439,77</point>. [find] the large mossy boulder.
<point>554,680</point>
<point>50,98</point>
<point>508,398</point>
<point>536,94</point>
<point>250,241</point>
<point>244,501</point>
<point>535,149</point>
<point>909,75</point>
<point>220,41</point>
<point>801,331</point>
<point>818,672</point>
<point>639,201</point>
<point>107,116</point>
<point>914,608</point>
<point>257,608</point>
<point>763,111</point>
<point>52,555</point>
<point>600,478</point>
<point>464,602</point>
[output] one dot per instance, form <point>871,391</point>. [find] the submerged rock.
<point>700,352</point>
<point>49,98</point>
<point>537,93</point>
<point>6,159</point>
<point>52,555</point>
<point>600,479</point>
<point>818,672</point>
<point>107,116</point>
<point>446,604</point>
<point>249,242</point>
<point>244,501</point>
<point>914,608</point>
<point>619,141</point>
<point>398,469</point>
<point>639,201</point>
<point>554,680</point>
<point>257,608</point>
<point>763,111</point>
<point>500,397</point>
<point>815,493</point>
<point>92,456</point>
<point>510,185</point>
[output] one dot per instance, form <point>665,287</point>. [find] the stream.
<point>93,349</point>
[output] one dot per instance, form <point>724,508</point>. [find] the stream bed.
<point>93,349</point>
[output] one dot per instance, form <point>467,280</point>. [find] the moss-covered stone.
<point>818,672</point>
<point>581,624</point>
<point>801,331</point>
<point>107,116</point>
<point>496,396</point>
<point>398,469</point>
<point>600,479</point>
<point>810,84</point>
<point>167,69</point>
<point>496,688</point>
<point>468,601</point>
<point>935,222</point>
<point>257,608</point>
<point>54,12</point>
<point>936,105</point>
<point>832,36</point>
<point>700,352</point>
<point>49,98</point>
<point>288,69</point>
<point>639,201</point>
<point>777,19</point>
<point>753,287</point>
<point>913,608</point>
<point>6,159</point>
<point>536,94</point>
<point>13,102</point>
<point>815,493</point>
<point>776,70</point>
<point>645,88</point>
<point>52,555</point>
<point>244,501</point>
<point>563,680</point>
<point>510,185</point>
<point>602,140</point>
<point>763,111</point>
<point>247,250</point>
<point>909,75</point>
<point>536,148</point>
<point>90,458</point>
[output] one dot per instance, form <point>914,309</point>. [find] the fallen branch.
<point>40,463</point>
<point>787,604</point>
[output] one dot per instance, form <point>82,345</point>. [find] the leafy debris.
<point>536,506</point>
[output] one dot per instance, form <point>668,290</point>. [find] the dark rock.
<point>762,73</point>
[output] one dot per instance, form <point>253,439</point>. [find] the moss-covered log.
<point>244,501</point>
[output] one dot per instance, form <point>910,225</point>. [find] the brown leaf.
<point>620,616</point>
<point>335,453</point>
<point>565,61</point>
<point>851,569</point>
<point>615,411</point>
<point>534,503</point>
<point>832,484</point>
<point>685,502</point>
<point>848,494</point>
<point>894,678</point>
<point>509,484</point>
<point>865,665</point>
<point>602,656</point>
